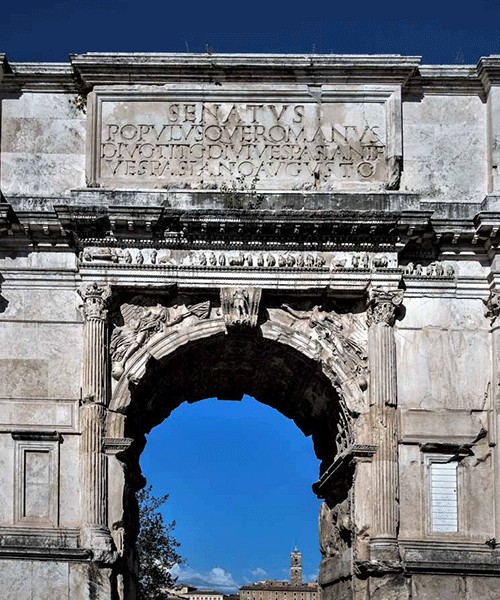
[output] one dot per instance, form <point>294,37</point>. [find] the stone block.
<point>389,587</point>
<point>50,581</point>
<point>24,377</point>
<point>16,580</point>
<point>440,587</point>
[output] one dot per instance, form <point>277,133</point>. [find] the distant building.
<point>190,592</point>
<point>270,589</point>
<point>204,595</point>
<point>296,568</point>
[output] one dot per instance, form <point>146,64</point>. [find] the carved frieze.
<point>434,270</point>
<point>240,306</point>
<point>142,318</point>
<point>236,259</point>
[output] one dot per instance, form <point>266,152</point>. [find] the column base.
<point>99,541</point>
<point>385,551</point>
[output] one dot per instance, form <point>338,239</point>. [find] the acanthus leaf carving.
<point>383,306</point>
<point>95,300</point>
<point>142,318</point>
<point>240,306</point>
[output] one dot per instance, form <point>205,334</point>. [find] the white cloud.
<point>311,578</point>
<point>258,572</point>
<point>217,578</point>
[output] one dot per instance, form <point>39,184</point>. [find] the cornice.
<point>445,79</point>
<point>206,228</point>
<point>156,69</point>
<point>4,66</point>
<point>84,71</point>
<point>488,70</point>
<point>358,221</point>
<point>28,76</point>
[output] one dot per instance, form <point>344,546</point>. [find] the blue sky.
<point>442,32</point>
<point>239,476</point>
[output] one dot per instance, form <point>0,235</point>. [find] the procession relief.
<point>95,256</point>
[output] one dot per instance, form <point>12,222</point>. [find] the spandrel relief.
<point>341,335</point>
<point>143,318</point>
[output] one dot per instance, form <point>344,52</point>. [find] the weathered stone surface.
<point>390,587</point>
<point>326,240</point>
<point>16,580</point>
<point>185,139</point>
<point>434,162</point>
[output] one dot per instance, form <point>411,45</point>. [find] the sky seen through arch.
<point>239,476</point>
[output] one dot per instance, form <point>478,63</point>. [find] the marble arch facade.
<point>318,231</point>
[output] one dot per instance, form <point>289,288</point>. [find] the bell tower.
<point>295,567</point>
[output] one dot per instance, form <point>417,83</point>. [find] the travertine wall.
<point>322,231</point>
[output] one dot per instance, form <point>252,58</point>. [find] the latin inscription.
<point>299,145</point>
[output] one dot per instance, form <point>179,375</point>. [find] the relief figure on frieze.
<point>143,318</point>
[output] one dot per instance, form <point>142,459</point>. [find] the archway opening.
<point>228,366</point>
<point>239,477</point>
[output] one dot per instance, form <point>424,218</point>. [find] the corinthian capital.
<point>95,300</point>
<point>383,305</point>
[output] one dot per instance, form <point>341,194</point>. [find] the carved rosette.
<point>240,306</point>
<point>492,304</point>
<point>383,306</point>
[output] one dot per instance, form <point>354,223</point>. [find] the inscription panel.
<point>309,139</point>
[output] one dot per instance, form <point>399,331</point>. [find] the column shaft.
<point>383,394</point>
<point>384,399</point>
<point>93,412</point>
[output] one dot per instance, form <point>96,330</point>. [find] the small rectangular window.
<point>444,496</point>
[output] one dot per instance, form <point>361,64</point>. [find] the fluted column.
<point>382,309</point>
<point>95,533</point>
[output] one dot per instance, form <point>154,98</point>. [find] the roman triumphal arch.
<point>320,232</point>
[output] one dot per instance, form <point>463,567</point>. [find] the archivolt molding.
<point>316,334</point>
